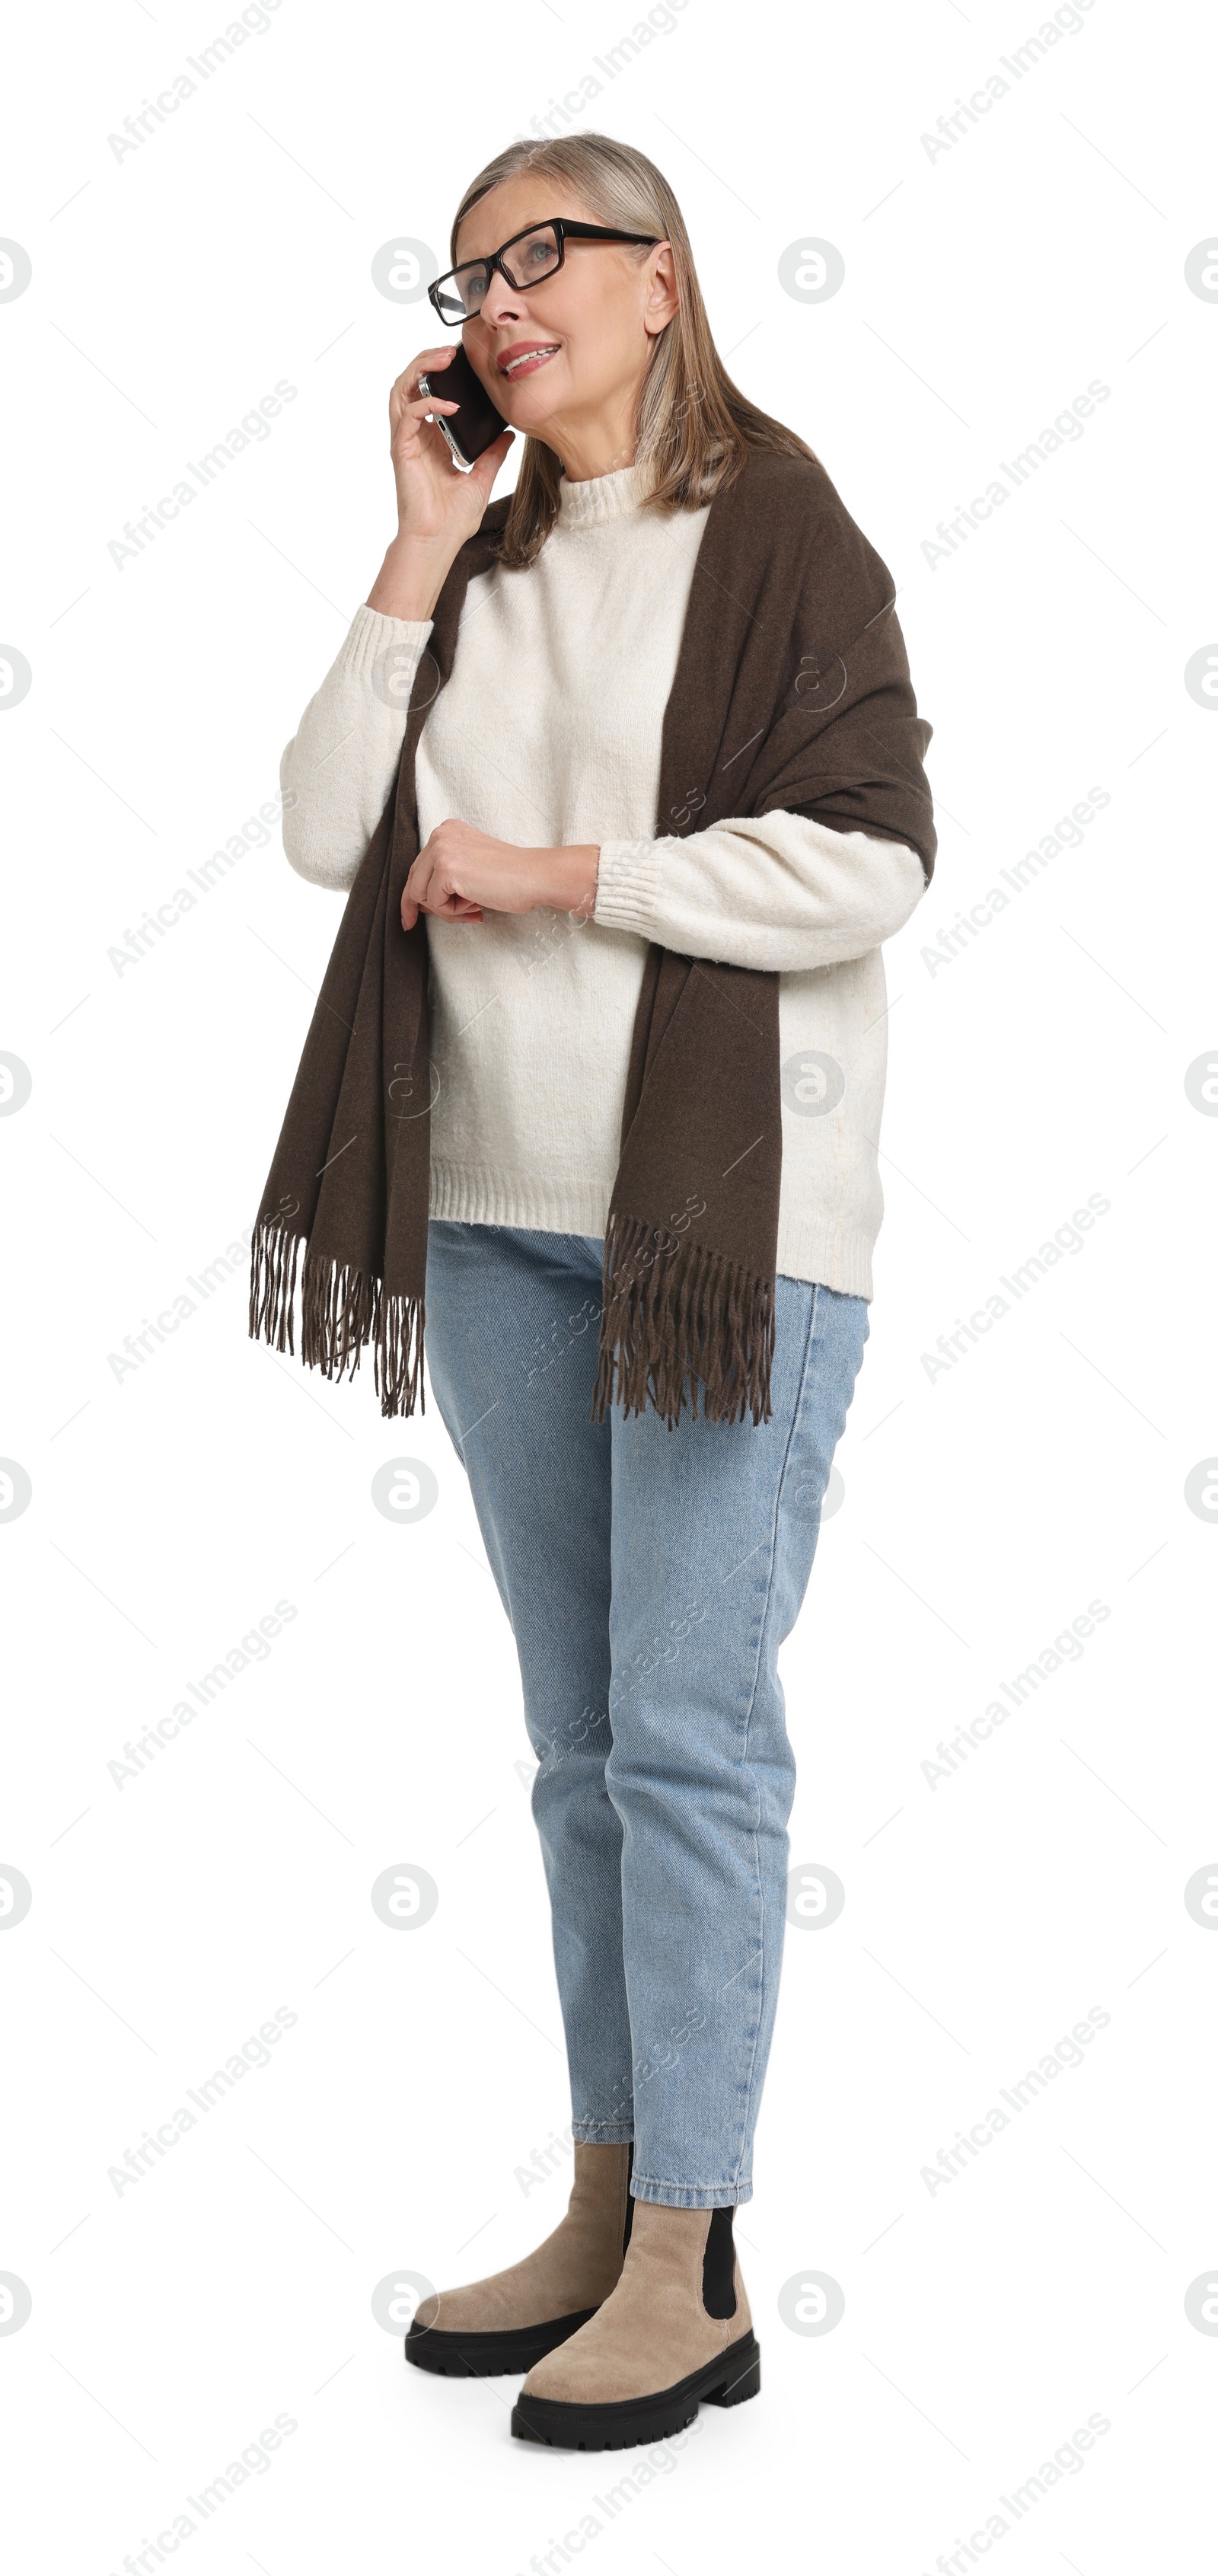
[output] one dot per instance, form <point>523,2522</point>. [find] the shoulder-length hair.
<point>694,427</point>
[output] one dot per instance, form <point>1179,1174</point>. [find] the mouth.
<point>525,362</point>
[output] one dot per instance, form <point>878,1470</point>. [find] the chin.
<point>527,400</point>
<point>531,414</point>
<point>530,419</point>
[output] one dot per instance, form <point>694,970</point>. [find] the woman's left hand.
<point>459,874</point>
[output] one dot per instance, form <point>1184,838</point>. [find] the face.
<point>579,342</point>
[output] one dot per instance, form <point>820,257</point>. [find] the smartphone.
<point>471,428</point>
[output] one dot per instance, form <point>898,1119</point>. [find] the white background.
<point>983,1509</point>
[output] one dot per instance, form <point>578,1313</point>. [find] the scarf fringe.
<point>398,1360</point>
<point>342,1309</point>
<point>692,1317</point>
<point>273,1257</point>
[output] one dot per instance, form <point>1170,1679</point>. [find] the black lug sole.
<point>628,2421</point>
<point>489,2356</point>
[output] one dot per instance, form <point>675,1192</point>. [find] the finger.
<point>453,907</point>
<point>408,447</point>
<point>428,362</point>
<point>410,912</point>
<point>418,432</point>
<point>418,410</point>
<point>421,402</point>
<point>406,407</point>
<point>420,876</point>
<point>434,889</point>
<point>414,440</point>
<point>415,408</point>
<point>424,358</point>
<point>487,465</point>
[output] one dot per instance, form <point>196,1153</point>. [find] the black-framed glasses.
<point>539,250</point>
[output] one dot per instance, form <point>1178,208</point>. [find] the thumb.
<point>492,457</point>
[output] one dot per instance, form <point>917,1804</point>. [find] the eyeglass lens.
<point>534,256</point>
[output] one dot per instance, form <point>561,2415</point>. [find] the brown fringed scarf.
<point>792,693</point>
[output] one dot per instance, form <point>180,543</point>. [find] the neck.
<point>601,443</point>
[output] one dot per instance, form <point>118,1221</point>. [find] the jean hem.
<point>601,2133</point>
<point>693,2195</point>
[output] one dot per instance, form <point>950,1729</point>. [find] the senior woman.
<point>625,773</point>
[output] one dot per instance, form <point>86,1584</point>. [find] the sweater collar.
<point>605,496</point>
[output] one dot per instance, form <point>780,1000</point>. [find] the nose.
<point>501,302</point>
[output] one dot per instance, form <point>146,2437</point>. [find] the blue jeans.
<point>650,1577</point>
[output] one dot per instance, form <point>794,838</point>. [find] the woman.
<point>659,801</point>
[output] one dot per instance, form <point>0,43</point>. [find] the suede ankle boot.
<point>509,2320</point>
<point>674,2332</point>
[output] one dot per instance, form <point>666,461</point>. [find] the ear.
<point>661,299</point>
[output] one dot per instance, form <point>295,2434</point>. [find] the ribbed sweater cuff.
<point>370,634</point>
<point>628,886</point>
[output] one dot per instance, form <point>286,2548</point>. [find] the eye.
<point>539,253</point>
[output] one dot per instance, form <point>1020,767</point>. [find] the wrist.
<point>410,580</point>
<point>570,879</point>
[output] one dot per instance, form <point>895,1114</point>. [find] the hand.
<point>438,508</point>
<point>459,874</point>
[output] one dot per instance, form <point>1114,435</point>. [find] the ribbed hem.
<point>628,885</point>
<point>604,496</point>
<point>370,633</point>
<point>810,1248</point>
<point>835,1256</point>
<point>468,1196</point>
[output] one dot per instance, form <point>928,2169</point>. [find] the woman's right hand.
<point>438,507</point>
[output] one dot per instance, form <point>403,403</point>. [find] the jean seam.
<point>796,1413</point>
<point>642,2186</point>
<point>661,2182</point>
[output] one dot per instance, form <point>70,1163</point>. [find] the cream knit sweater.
<point>548,734</point>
